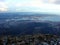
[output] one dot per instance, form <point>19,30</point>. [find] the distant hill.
<point>18,24</point>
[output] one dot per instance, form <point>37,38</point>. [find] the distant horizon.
<point>45,6</point>
<point>34,12</point>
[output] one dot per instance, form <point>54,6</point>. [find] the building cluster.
<point>38,39</point>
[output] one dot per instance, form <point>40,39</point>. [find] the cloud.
<point>51,1</point>
<point>29,3</point>
<point>38,7</point>
<point>32,4</point>
<point>2,0</point>
<point>38,4</point>
<point>3,6</point>
<point>54,1</point>
<point>57,2</point>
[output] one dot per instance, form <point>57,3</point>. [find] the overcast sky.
<point>52,6</point>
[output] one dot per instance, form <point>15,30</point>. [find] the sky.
<point>49,6</point>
